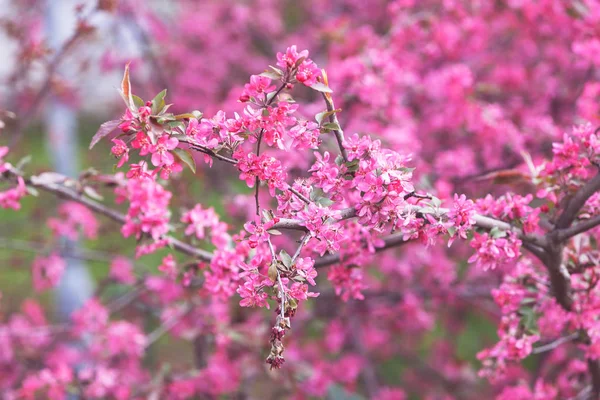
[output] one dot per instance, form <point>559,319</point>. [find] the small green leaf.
<point>271,75</point>
<point>32,191</point>
<point>185,116</point>
<point>273,272</point>
<point>496,233</point>
<point>158,102</point>
<point>22,162</point>
<point>92,193</point>
<point>451,230</point>
<point>316,193</point>
<point>138,101</point>
<point>331,125</point>
<point>292,303</point>
<point>324,201</point>
<point>186,158</point>
<point>321,87</point>
<point>285,258</point>
<point>324,114</point>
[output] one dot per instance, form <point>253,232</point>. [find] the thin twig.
<point>553,345</point>
<point>339,133</point>
<point>167,325</point>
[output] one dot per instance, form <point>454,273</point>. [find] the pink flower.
<point>308,72</point>
<point>160,151</point>
<point>461,216</point>
<point>121,151</point>
<point>305,269</point>
<point>306,135</point>
<point>47,272</point>
<point>299,291</point>
<point>142,142</point>
<point>169,267</point>
<point>91,318</point>
<point>167,170</point>
<point>200,219</point>
<point>10,198</point>
<point>148,210</point>
<point>123,339</point>
<point>74,218</point>
<point>258,85</point>
<point>258,231</point>
<point>493,252</point>
<point>192,128</point>
<point>251,292</point>
<point>290,57</point>
<point>138,171</point>
<point>121,270</point>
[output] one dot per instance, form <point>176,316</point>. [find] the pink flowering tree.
<point>410,210</point>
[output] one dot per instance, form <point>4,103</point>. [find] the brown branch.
<point>584,226</point>
<point>575,203</point>
<point>339,133</point>
<point>594,368</point>
<point>70,194</point>
<point>393,240</point>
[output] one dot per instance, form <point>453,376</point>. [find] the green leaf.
<point>158,102</point>
<point>331,125</point>
<point>92,193</point>
<point>104,130</point>
<point>451,230</point>
<point>185,116</point>
<point>324,114</point>
<point>273,272</point>
<point>32,191</point>
<point>186,158</point>
<point>316,193</point>
<point>324,201</point>
<point>138,101</point>
<point>269,100</point>
<point>496,233</point>
<point>321,87</point>
<point>271,75</point>
<point>22,162</point>
<point>285,258</point>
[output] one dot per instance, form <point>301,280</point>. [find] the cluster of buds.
<point>275,358</point>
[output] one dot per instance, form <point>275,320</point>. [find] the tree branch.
<point>339,133</point>
<point>67,193</point>
<point>575,204</point>
<point>584,226</point>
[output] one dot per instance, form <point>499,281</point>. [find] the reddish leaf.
<point>105,129</point>
<point>126,90</point>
